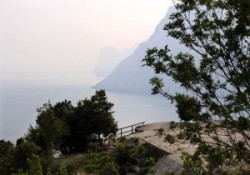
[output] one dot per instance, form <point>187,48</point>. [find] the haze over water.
<point>20,101</point>
<point>49,49</point>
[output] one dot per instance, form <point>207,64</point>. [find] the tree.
<point>49,130</point>
<point>94,116</point>
<point>216,79</point>
<point>68,129</point>
<point>24,154</point>
<point>6,157</point>
<point>102,116</point>
<point>65,111</point>
<point>34,165</point>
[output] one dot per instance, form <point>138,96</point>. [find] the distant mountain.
<point>108,59</point>
<point>129,76</point>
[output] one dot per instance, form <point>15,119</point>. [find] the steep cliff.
<point>129,75</point>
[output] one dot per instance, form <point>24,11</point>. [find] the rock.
<point>129,76</point>
<point>169,163</point>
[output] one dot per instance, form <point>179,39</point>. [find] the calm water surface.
<point>19,103</point>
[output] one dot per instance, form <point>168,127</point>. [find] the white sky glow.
<point>46,36</point>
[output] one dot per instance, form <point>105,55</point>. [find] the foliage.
<point>132,157</point>
<point>49,130</point>
<point>101,163</point>
<point>215,76</point>
<point>24,153</point>
<point>192,165</point>
<point>34,165</point>
<point>129,157</point>
<point>94,117</point>
<point>65,111</point>
<point>169,173</point>
<point>6,157</point>
<point>68,129</point>
<point>60,129</point>
<point>160,132</point>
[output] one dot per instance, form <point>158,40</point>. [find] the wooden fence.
<point>121,133</point>
<point>128,129</point>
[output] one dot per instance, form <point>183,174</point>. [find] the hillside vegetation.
<point>61,129</point>
<point>69,140</point>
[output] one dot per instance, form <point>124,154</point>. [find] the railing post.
<point>132,130</point>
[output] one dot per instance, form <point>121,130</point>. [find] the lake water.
<point>19,102</point>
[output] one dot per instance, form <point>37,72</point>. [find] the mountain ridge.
<point>129,76</point>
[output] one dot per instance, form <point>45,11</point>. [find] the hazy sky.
<point>47,36</point>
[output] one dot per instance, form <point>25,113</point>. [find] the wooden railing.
<point>128,129</point>
<point>110,139</point>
